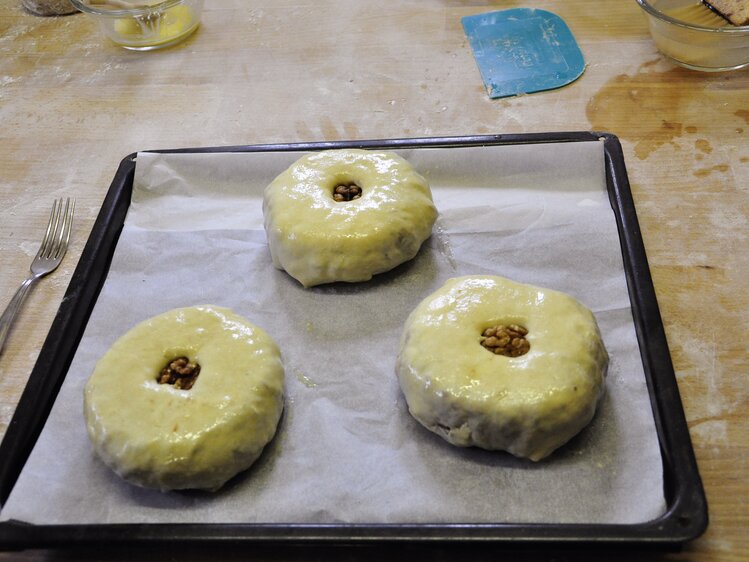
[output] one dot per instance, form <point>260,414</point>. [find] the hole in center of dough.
<point>506,340</point>
<point>179,372</point>
<point>346,192</point>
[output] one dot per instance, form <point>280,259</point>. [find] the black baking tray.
<point>686,514</point>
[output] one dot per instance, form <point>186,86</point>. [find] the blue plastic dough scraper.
<point>523,50</point>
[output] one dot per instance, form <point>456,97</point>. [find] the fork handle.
<point>6,320</point>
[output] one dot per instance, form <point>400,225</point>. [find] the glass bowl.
<point>691,35</point>
<point>155,26</point>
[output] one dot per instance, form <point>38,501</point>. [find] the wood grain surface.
<point>72,105</point>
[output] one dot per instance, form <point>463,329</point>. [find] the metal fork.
<point>50,254</point>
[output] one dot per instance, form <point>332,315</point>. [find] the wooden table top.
<point>72,105</point>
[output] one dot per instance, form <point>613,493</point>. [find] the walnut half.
<point>346,192</point>
<point>180,372</point>
<point>506,340</point>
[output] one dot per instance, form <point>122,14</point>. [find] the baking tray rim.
<point>686,515</point>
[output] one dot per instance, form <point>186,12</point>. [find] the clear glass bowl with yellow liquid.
<point>693,36</point>
<point>146,26</point>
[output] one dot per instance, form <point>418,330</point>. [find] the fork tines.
<point>57,236</point>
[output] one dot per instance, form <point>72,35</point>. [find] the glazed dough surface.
<point>527,405</point>
<point>156,436</point>
<point>317,239</point>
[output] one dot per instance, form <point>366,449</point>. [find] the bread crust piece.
<point>158,436</point>
<point>735,11</point>
<point>317,239</point>
<point>527,405</point>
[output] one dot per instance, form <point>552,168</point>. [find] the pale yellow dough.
<point>527,405</point>
<point>156,436</point>
<point>317,239</point>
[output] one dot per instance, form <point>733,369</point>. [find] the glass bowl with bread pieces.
<point>707,35</point>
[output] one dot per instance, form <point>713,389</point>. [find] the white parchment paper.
<point>347,449</point>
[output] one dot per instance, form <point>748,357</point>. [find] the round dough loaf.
<point>528,405</point>
<point>156,435</point>
<point>318,239</point>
